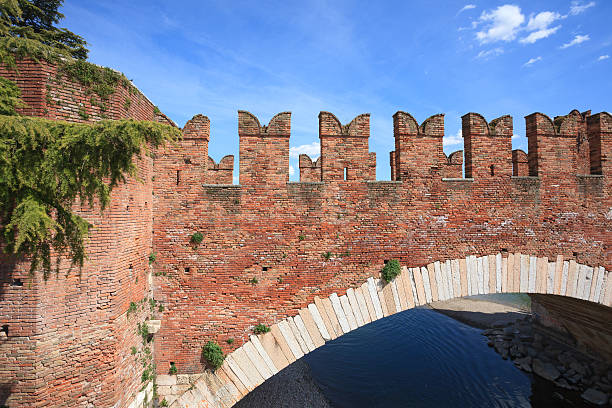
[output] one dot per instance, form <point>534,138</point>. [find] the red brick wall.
<point>346,148</point>
<point>309,171</point>
<point>520,164</point>
<point>69,337</point>
<point>264,150</point>
<point>281,234</point>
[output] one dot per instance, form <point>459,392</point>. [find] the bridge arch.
<point>328,318</point>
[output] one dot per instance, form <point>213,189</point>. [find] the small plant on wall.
<point>196,238</point>
<point>173,370</point>
<point>212,353</point>
<point>261,329</point>
<point>391,270</point>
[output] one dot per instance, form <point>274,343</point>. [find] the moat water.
<point>421,358</point>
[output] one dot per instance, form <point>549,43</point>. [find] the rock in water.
<point>595,397</point>
<point>545,370</point>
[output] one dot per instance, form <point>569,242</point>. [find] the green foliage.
<point>10,97</point>
<point>254,281</point>
<point>230,341</point>
<point>132,309</point>
<point>261,329</point>
<point>152,257</point>
<point>35,20</point>
<point>213,354</point>
<point>134,350</point>
<point>127,103</point>
<point>163,403</point>
<point>83,113</point>
<point>100,80</point>
<point>156,110</point>
<point>148,373</point>
<point>143,331</point>
<point>327,255</point>
<point>46,165</point>
<point>161,308</point>
<point>391,270</point>
<point>301,237</point>
<point>173,370</point>
<point>197,237</point>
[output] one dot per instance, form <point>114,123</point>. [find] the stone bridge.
<point>302,257</point>
<point>295,256</point>
<point>326,319</point>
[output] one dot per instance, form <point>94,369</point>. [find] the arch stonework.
<point>329,318</point>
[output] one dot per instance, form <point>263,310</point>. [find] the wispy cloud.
<point>577,40</point>
<point>490,53</point>
<point>466,8</point>
<point>291,170</point>
<point>502,24</point>
<point>453,140</point>
<point>539,25</point>
<point>532,61</point>
<point>578,7</point>
<point>603,57</point>
<point>312,150</point>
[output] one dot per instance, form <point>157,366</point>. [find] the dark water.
<point>417,358</point>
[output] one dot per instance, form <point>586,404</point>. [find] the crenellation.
<point>599,130</point>
<point>345,154</point>
<point>220,173</point>
<point>520,163</point>
<point>309,171</point>
<point>418,149</point>
<point>453,167</point>
<point>488,147</point>
<point>264,151</point>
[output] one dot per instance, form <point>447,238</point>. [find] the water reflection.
<point>417,358</point>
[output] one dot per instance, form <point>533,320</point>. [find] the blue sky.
<point>423,57</point>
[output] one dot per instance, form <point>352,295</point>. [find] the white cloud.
<point>515,136</point>
<point>577,7</point>
<point>532,61</point>
<point>312,150</point>
<point>577,40</point>
<point>538,35</point>
<point>453,140</point>
<point>467,7</point>
<point>490,53</point>
<point>542,20</point>
<point>291,170</point>
<point>603,57</point>
<point>539,26</point>
<point>503,24</point>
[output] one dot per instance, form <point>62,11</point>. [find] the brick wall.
<point>69,338</point>
<point>269,246</point>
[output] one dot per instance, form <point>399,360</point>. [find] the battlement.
<point>337,225</point>
<point>418,154</point>
<point>329,125</point>
<point>309,171</point>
